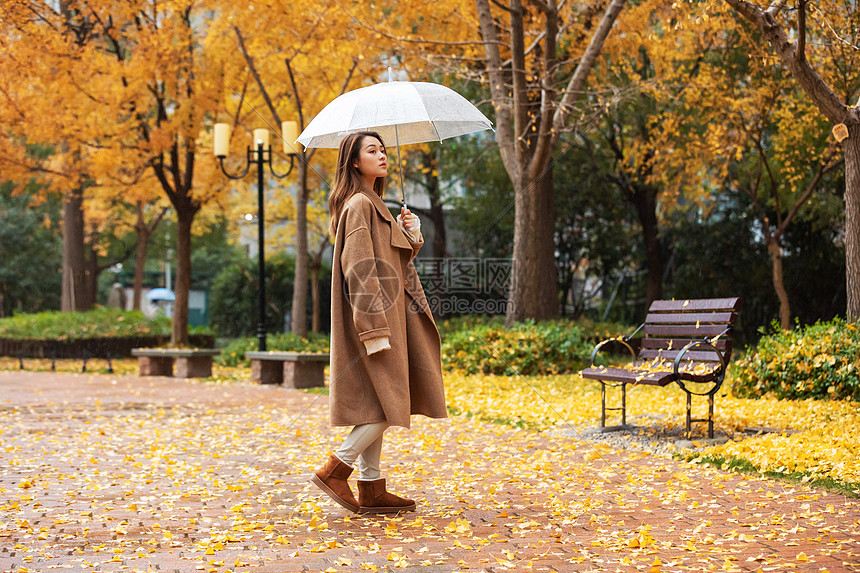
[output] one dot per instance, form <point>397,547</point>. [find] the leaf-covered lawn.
<point>817,438</point>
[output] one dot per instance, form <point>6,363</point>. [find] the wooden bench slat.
<point>692,318</point>
<point>695,304</point>
<point>678,343</point>
<point>631,376</point>
<point>684,330</point>
<point>689,356</point>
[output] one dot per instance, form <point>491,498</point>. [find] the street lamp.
<point>261,155</point>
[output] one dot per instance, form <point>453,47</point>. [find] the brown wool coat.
<point>376,292</point>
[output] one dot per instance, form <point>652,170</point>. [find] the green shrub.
<point>234,353</point>
<point>528,348</point>
<point>97,323</point>
<point>233,297</point>
<point>449,326</point>
<point>818,361</point>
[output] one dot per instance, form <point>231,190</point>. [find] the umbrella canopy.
<point>402,112</point>
<point>419,111</point>
<point>161,294</point>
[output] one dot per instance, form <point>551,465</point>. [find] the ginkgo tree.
<point>273,73</point>
<point>777,150</point>
<point>130,89</point>
<point>691,108</point>
<point>819,45</point>
<point>48,115</point>
<point>49,52</point>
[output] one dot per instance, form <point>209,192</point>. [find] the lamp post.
<point>261,155</point>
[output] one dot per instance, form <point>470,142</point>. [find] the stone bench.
<point>190,362</point>
<point>292,369</point>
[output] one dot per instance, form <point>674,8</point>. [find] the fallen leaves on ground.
<point>118,473</point>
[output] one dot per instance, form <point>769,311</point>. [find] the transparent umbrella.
<point>161,294</point>
<point>405,112</point>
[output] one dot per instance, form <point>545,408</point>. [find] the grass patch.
<point>742,465</point>
<point>316,390</point>
<point>514,423</point>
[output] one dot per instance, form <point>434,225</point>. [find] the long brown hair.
<point>347,179</point>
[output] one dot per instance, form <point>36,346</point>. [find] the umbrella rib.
<point>435,129</point>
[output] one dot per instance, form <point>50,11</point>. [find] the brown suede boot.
<point>373,498</point>
<point>332,480</point>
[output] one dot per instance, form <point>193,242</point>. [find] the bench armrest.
<point>708,342</point>
<point>695,344</point>
<point>622,339</point>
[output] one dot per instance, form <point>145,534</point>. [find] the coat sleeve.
<point>361,274</point>
<point>416,239</point>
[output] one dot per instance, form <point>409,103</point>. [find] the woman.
<point>378,380</point>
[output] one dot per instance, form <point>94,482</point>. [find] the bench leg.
<point>304,374</point>
<point>602,404</point>
<point>267,372</point>
<point>709,419</point>
<point>603,407</point>
<point>711,416</point>
<point>623,403</point>
<point>194,367</point>
<point>155,365</point>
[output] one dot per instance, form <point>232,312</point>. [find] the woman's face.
<point>372,161</point>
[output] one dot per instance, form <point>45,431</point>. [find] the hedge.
<point>818,361</point>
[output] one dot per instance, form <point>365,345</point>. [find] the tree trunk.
<point>645,201</point>
<point>527,157</point>
<point>182,287</point>
<point>300,286</point>
<point>92,274</point>
<point>139,266</point>
<point>851,147</point>
<point>774,249</point>
<point>75,293</point>
<point>143,232</point>
<point>534,288</point>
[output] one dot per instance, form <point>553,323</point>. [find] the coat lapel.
<point>397,238</point>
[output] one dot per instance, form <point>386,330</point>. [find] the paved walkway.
<point>120,473</point>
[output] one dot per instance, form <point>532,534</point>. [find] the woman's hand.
<point>410,220</point>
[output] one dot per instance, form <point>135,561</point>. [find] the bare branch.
<point>800,51</point>
<point>827,165</point>
<point>812,83</point>
<point>543,7</point>
<point>500,5</point>
<point>263,91</point>
<point>577,80</point>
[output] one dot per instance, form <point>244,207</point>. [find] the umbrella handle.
<point>399,167</point>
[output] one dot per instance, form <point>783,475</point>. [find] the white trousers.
<point>364,444</point>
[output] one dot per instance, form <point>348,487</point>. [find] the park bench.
<point>688,342</point>
<point>292,369</point>
<point>190,362</point>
